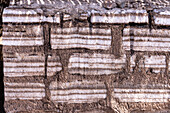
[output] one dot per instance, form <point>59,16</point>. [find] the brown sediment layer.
<point>83,68</point>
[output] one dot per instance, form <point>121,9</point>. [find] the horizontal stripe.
<point>146,48</point>
<point>56,30</point>
<point>95,30</point>
<point>145,32</point>
<point>21,39</point>
<point>21,15</point>
<point>95,56</point>
<point>34,64</point>
<point>24,84</point>
<point>82,31</point>
<point>55,69</point>
<point>77,36</point>
<point>142,96</point>
<point>17,60</point>
<point>80,46</point>
<point>80,41</point>
<point>21,94</point>
<point>79,97</point>
<point>32,69</point>
<point>96,60</point>
<point>24,89</point>
<point>23,67</point>
<point>128,44</point>
<point>19,11</point>
<point>80,38</point>
<point>21,35</point>
<point>153,63</point>
<point>144,41</point>
<point>93,71</point>
<point>116,95</point>
<point>116,90</point>
<point>20,74</point>
<point>29,19</point>
<point>60,43</point>
<point>144,100</point>
<point>25,92</point>
<point>18,19</point>
<point>148,39</point>
<point>101,66</point>
<point>120,19</point>
<point>166,44</point>
<point>119,93</point>
<point>78,87</point>
<point>77,84</point>
<point>150,66</point>
<point>27,59</point>
<point>141,90</point>
<point>27,15</point>
<point>96,68</point>
<point>73,94</point>
<point>96,63</point>
<point>54,65</point>
<point>88,97</point>
<point>161,21</point>
<point>78,100</point>
<point>22,43</point>
<point>164,12</point>
<point>20,32</point>
<point>78,91</point>
<point>150,48</point>
<point>22,98</point>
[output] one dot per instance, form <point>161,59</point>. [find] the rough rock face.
<point>86,56</point>
<point>3,4</point>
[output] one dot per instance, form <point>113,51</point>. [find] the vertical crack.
<point>116,43</point>
<point>61,20</point>
<point>49,39</point>
<point>47,46</point>
<point>46,35</point>
<point>46,64</point>
<point>109,92</point>
<point>127,62</point>
<point>90,24</point>
<point>131,41</point>
<point>150,18</point>
<point>2,99</point>
<point>167,65</point>
<point>1,67</point>
<point>64,58</point>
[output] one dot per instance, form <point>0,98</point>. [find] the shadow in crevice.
<point>2,99</point>
<point>131,40</point>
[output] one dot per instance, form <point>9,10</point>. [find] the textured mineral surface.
<point>84,56</point>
